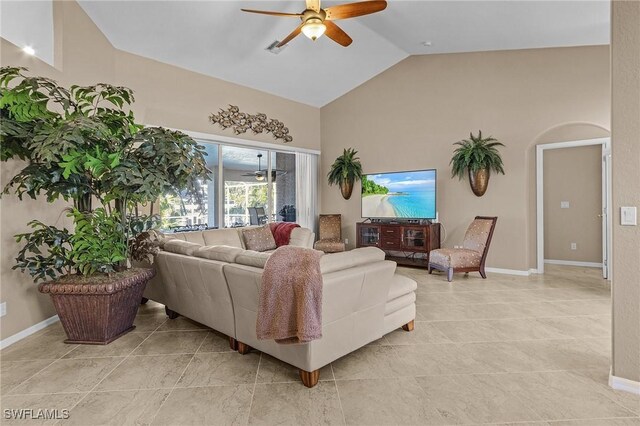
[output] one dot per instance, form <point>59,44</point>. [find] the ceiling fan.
<point>317,21</point>
<point>261,174</point>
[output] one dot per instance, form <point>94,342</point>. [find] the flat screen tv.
<point>399,195</point>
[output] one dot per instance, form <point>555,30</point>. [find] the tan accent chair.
<point>473,254</point>
<point>330,238</point>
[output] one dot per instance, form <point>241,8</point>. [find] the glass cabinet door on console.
<point>414,238</point>
<point>369,235</point>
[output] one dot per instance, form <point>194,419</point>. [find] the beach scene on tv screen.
<point>400,195</point>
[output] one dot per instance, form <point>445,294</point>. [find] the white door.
<point>606,203</point>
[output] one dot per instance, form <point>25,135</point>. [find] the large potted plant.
<point>345,171</point>
<point>82,145</point>
<point>477,157</point>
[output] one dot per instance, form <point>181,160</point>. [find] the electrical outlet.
<point>3,309</point>
<point>564,204</point>
<point>346,241</point>
<point>574,246</point>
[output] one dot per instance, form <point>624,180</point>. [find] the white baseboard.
<point>508,271</point>
<point>625,385</point>
<point>533,271</point>
<point>573,263</point>
<point>28,332</point>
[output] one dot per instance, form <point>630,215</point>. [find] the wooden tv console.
<point>405,243</point>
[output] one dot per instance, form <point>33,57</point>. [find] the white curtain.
<point>306,189</point>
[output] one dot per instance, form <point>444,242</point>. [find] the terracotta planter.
<point>97,310</point>
<point>346,187</point>
<point>479,181</point>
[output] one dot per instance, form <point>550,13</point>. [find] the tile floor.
<point>526,350</point>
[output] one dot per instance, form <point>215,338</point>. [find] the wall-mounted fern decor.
<point>240,122</point>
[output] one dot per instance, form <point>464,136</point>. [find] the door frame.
<point>606,198</point>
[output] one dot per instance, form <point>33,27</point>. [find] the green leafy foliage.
<point>369,187</point>
<point>476,153</point>
<point>98,243</point>
<point>346,167</point>
<point>83,145</point>
<point>46,253</point>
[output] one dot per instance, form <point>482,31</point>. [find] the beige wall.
<point>573,175</point>
<point>625,55</point>
<point>408,117</point>
<point>165,95</point>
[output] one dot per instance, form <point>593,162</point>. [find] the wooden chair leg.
<point>430,269</point>
<point>450,274</point>
<point>483,274</point>
<point>233,344</point>
<point>171,314</point>
<point>310,379</point>
<point>243,348</point>
<point>409,326</point>
<point>144,301</point>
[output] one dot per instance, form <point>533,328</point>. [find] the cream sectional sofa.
<point>218,285</point>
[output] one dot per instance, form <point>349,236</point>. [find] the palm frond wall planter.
<point>241,122</point>
<point>477,157</point>
<point>345,171</point>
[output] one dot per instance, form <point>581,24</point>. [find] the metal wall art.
<point>240,122</point>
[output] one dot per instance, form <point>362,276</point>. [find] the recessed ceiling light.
<point>29,50</point>
<point>426,43</point>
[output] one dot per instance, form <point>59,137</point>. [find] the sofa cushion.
<point>361,256</point>
<point>181,247</point>
<point>259,239</point>
<point>300,237</point>
<point>163,238</point>
<point>253,258</point>
<point>222,237</point>
<point>401,285</point>
<point>221,253</point>
<point>192,237</point>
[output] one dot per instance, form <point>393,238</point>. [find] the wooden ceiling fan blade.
<point>291,36</point>
<point>266,12</point>
<point>337,34</point>
<point>351,10</point>
<point>313,5</point>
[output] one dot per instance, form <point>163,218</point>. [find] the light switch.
<point>628,216</point>
<point>564,204</point>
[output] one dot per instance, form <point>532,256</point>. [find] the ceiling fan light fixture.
<point>260,177</point>
<point>314,28</point>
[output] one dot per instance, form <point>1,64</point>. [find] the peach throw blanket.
<point>290,305</point>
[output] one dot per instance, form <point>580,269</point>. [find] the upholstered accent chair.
<point>473,254</point>
<point>330,234</point>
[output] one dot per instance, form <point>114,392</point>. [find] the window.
<point>248,186</point>
<point>180,212</point>
<point>283,186</point>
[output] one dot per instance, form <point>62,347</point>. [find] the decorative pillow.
<point>259,239</point>
<point>181,247</point>
<point>222,253</point>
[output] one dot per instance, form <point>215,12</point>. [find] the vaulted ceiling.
<point>217,39</point>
